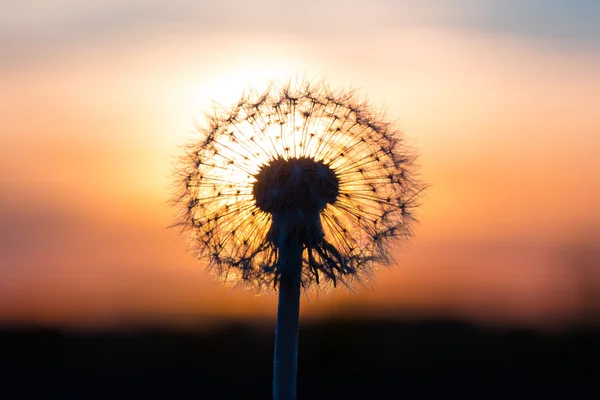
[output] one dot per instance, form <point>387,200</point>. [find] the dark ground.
<point>338,360</point>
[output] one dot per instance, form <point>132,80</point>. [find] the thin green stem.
<point>288,312</point>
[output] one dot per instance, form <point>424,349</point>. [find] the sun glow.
<point>303,159</point>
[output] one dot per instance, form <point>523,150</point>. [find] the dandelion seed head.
<point>303,159</point>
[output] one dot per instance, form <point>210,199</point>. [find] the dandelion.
<point>298,186</point>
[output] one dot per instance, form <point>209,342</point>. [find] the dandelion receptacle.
<point>296,187</point>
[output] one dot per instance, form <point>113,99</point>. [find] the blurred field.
<point>343,359</point>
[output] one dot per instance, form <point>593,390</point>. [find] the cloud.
<point>34,28</point>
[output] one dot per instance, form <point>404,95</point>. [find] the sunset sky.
<point>499,98</point>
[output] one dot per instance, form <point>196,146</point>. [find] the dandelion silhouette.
<point>295,187</point>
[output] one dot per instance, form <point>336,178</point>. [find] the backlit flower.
<point>301,160</point>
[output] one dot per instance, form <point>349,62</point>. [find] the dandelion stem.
<point>288,311</point>
<point>294,169</point>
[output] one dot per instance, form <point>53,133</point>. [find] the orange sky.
<point>506,126</point>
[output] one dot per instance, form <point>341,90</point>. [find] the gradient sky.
<point>499,97</point>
